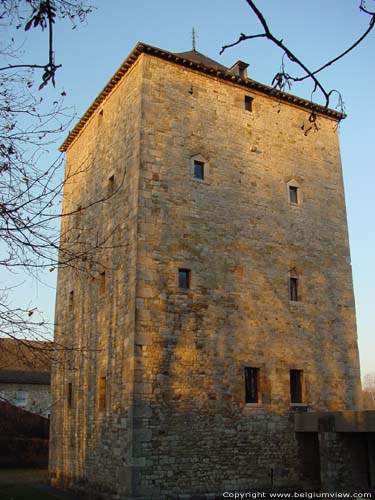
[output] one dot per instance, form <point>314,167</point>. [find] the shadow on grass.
<point>29,484</point>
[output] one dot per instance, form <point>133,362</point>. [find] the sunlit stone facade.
<point>156,406</point>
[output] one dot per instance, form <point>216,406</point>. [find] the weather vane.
<point>193,37</point>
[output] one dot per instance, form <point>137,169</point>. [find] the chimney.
<point>240,69</point>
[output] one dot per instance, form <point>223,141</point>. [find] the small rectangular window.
<point>248,103</point>
<point>198,169</point>
<point>102,393</point>
<point>252,385</point>
<point>296,381</point>
<point>293,194</point>
<point>21,398</point>
<point>69,395</point>
<point>293,289</point>
<point>184,276</point>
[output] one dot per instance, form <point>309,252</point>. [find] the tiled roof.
<point>194,55</point>
<point>196,62</point>
<point>24,377</point>
<point>25,355</point>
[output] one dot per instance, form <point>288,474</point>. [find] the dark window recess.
<point>111,185</point>
<point>248,103</point>
<point>252,385</point>
<point>293,194</point>
<point>198,169</point>
<point>102,283</point>
<point>70,394</point>
<point>71,299</point>
<point>296,377</point>
<point>78,217</point>
<point>184,276</point>
<point>293,289</point>
<point>102,395</point>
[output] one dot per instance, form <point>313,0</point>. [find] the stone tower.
<point>209,302</point>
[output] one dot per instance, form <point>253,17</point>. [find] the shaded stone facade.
<point>28,395</point>
<point>25,374</point>
<point>157,406</point>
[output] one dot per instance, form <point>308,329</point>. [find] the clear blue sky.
<point>316,31</point>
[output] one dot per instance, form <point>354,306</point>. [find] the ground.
<point>28,484</point>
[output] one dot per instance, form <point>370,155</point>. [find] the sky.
<point>315,31</point>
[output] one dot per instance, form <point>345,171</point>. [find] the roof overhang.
<point>182,60</point>
<point>24,377</point>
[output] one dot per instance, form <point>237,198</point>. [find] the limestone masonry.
<point>25,374</point>
<point>209,301</point>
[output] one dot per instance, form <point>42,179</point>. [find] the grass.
<point>28,484</point>
<point>24,492</point>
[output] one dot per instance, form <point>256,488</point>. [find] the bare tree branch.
<point>30,189</point>
<point>282,78</point>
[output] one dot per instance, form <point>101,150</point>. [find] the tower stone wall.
<point>175,419</point>
<point>95,313</point>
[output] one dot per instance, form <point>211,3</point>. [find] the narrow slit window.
<point>296,381</point>
<point>293,289</point>
<point>69,395</point>
<point>198,169</point>
<point>71,299</point>
<point>252,385</point>
<point>111,185</point>
<point>102,283</point>
<point>78,219</point>
<point>248,103</point>
<point>184,277</point>
<point>102,394</point>
<point>293,194</point>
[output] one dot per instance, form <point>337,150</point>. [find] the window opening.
<point>102,393</point>
<point>248,103</point>
<point>252,385</point>
<point>21,398</point>
<point>293,289</point>
<point>184,277</point>
<point>296,386</point>
<point>70,395</point>
<point>102,283</point>
<point>293,194</point>
<point>198,169</point>
<point>111,185</point>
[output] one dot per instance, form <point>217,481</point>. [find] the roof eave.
<point>183,61</point>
